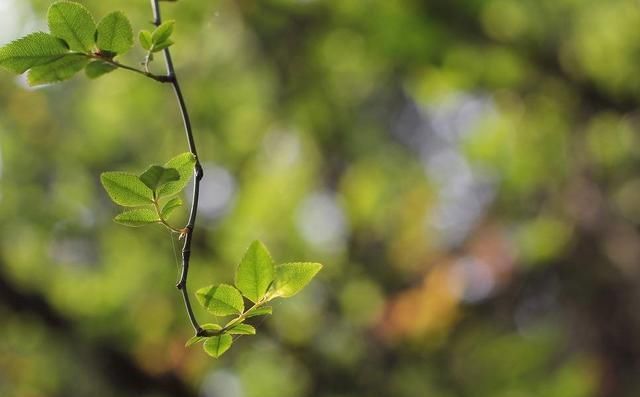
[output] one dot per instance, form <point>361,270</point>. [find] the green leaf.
<point>170,206</point>
<point>144,37</point>
<point>195,339</point>
<point>162,32</point>
<point>61,69</point>
<point>261,311</point>
<point>161,46</point>
<point>156,176</point>
<point>72,23</point>
<point>291,278</point>
<point>98,68</point>
<point>32,50</point>
<point>126,189</point>
<point>115,33</point>
<point>137,217</point>
<point>242,329</point>
<point>255,272</point>
<point>221,300</point>
<point>216,346</point>
<point>183,163</point>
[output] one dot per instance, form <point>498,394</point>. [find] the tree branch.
<point>198,173</point>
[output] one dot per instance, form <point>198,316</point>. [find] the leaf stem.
<point>160,78</point>
<point>198,172</point>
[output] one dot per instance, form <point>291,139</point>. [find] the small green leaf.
<point>144,37</point>
<point>291,278</point>
<point>242,329</point>
<point>183,163</point>
<point>137,217</point>
<point>261,311</point>
<point>126,189</point>
<point>32,50</point>
<point>255,272</point>
<point>162,32</point>
<point>72,23</point>
<point>115,33</point>
<point>216,346</point>
<point>98,68</point>
<point>161,46</point>
<point>157,176</point>
<point>195,339</point>
<point>61,69</point>
<point>170,206</point>
<point>221,300</point>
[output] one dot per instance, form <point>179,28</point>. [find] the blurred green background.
<point>466,170</point>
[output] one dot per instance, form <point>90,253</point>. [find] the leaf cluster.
<point>75,42</point>
<point>257,280</point>
<point>150,192</point>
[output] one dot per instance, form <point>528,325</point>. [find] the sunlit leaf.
<point>242,329</point>
<point>291,278</point>
<point>183,163</point>
<point>216,346</point>
<point>59,70</point>
<point>115,33</point>
<point>255,272</point>
<point>126,189</point>
<point>157,176</point>
<point>74,24</point>
<point>32,50</point>
<point>170,206</point>
<point>261,311</point>
<point>137,217</point>
<point>221,300</point>
<point>144,37</point>
<point>162,32</point>
<point>98,68</point>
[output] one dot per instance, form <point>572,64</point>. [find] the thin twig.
<point>198,173</point>
<point>160,78</point>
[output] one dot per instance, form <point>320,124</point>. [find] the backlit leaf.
<point>126,189</point>
<point>255,272</point>
<point>162,32</point>
<point>170,206</point>
<point>115,33</point>
<point>156,176</point>
<point>137,217</point>
<point>221,300</point>
<point>242,329</point>
<point>183,163</point>
<point>98,68</point>
<point>59,70</point>
<point>291,278</point>
<point>32,50</point>
<point>216,346</point>
<point>74,24</point>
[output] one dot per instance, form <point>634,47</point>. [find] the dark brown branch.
<point>198,173</point>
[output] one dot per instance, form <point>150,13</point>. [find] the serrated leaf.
<point>195,339</point>
<point>291,278</point>
<point>170,206</point>
<point>183,163</point>
<point>221,300</point>
<point>156,176</point>
<point>72,23</point>
<point>59,70</point>
<point>98,68</point>
<point>216,346</point>
<point>144,37</point>
<point>126,189</point>
<point>32,50</point>
<point>161,46</point>
<point>261,311</point>
<point>255,272</point>
<point>115,33</point>
<point>242,329</point>
<point>162,32</point>
<point>137,217</point>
